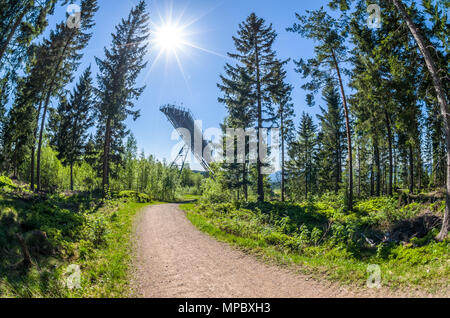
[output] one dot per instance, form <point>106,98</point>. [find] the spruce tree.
<point>3,102</point>
<point>241,115</point>
<point>281,96</point>
<point>431,55</point>
<point>71,122</point>
<point>130,159</point>
<point>371,80</point>
<point>332,139</point>
<point>330,50</point>
<point>18,128</point>
<point>60,61</point>
<point>20,22</point>
<point>256,56</point>
<point>302,154</point>
<point>116,84</point>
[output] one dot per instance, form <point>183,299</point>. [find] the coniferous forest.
<point>364,176</point>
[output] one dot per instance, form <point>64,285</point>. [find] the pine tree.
<point>235,175</point>
<point>371,80</point>
<point>239,103</point>
<point>20,22</point>
<point>116,83</point>
<point>130,157</point>
<point>62,54</point>
<point>256,57</point>
<point>436,142</point>
<point>71,123</point>
<point>432,61</point>
<point>18,128</point>
<point>3,102</point>
<point>332,139</point>
<point>281,95</point>
<point>330,51</point>
<point>302,154</point>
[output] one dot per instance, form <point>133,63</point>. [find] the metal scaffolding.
<point>183,121</point>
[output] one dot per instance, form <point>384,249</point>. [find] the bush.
<point>7,183</point>
<point>214,193</point>
<point>135,196</point>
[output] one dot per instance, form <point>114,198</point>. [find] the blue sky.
<point>212,23</point>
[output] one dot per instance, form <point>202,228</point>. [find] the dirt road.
<point>174,259</point>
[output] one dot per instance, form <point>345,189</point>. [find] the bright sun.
<point>169,37</point>
<point>172,39</point>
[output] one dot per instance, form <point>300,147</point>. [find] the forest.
<point>366,181</point>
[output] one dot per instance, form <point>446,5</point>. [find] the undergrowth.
<point>64,233</point>
<point>327,240</point>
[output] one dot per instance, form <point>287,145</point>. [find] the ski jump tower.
<point>183,121</point>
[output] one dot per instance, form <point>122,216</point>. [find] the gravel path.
<point>175,260</point>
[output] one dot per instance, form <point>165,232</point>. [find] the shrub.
<point>7,183</point>
<point>214,193</point>
<point>135,196</point>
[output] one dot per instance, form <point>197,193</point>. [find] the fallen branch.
<point>26,254</point>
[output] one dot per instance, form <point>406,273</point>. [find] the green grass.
<point>105,273</point>
<point>81,231</point>
<point>271,233</point>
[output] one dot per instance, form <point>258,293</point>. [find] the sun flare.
<point>169,38</point>
<point>173,40</point>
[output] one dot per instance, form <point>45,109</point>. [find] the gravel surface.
<point>175,260</point>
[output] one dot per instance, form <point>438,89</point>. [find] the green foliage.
<point>148,176</point>
<point>135,196</point>
<point>322,235</point>
<point>53,175</point>
<point>250,84</point>
<point>301,167</point>
<point>117,91</point>
<point>214,192</point>
<point>64,230</point>
<point>6,183</point>
<point>69,125</point>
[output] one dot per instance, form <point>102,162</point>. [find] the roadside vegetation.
<point>60,231</point>
<point>326,241</point>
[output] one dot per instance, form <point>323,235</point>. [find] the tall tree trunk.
<point>12,32</point>
<point>391,160</point>
<point>47,101</point>
<point>435,172</point>
<point>41,134</point>
<point>372,180</point>
<point>349,134</point>
<point>419,169</point>
<point>33,148</point>
<point>395,170</point>
<point>359,171</point>
<point>244,181</point>
<point>411,169</point>
<point>441,96</point>
<point>282,159</point>
<point>376,149</point>
<point>306,180</point>
<point>338,167</point>
<point>106,150</point>
<point>71,176</point>
<point>259,98</point>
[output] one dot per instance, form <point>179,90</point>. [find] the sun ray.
<point>203,49</point>
<point>180,66</point>
<point>172,36</point>
<point>155,61</point>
